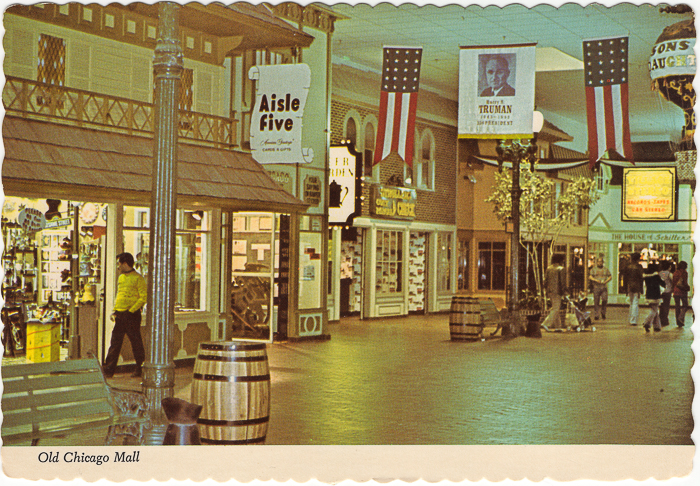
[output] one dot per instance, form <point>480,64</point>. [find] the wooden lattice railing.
<point>23,97</point>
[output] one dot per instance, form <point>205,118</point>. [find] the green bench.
<point>55,399</point>
<point>491,317</point>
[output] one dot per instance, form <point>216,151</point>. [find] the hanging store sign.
<point>672,58</point>
<point>58,223</point>
<point>649,194</point>
<point>31,220</point>
<point>312,190</point>
<point>345,185</point>
<point>393,202</point>
<point>496,91</point>
<point>275,127</point>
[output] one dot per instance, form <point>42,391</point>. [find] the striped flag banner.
<point>397,103</point>
<point>607,97</point>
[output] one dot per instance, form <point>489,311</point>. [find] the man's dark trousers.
<point>128,323</point>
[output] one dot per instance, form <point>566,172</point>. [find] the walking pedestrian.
<point>555,286</point>
<point>665,274</point>
<point>635,285</point>
<point>131,297</point>
<point>653,284</point>
<point>680,292</point>
<point>599,276</point>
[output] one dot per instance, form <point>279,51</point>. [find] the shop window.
<point>648,252</point>
<point>52,60</point>
<point>463,265</point>
<point>191,253</point>
<point>492,265</point>
<point>310,263</point>
<point>389,262</point>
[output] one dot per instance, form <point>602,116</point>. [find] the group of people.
<point>662,280</point>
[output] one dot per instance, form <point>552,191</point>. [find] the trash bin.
<point>232,383</point>
<point>465,319</point>
<point>182,417</point>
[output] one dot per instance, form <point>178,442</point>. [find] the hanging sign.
<point>393,202</point>
<point>345,185</point>
<point>672,58</point>
<point>649,194</point>
<point>275,127</point>
<point>496,91</point>
<point>31,220</point>
<point>312,190</point>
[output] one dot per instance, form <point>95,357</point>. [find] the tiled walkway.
<point>402,381</point>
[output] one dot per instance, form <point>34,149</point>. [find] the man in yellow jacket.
<point>131,297</point>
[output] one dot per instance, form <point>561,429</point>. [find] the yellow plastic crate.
<point>43,341</point>
<point>44,354</point>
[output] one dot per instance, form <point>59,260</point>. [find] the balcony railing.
<point>27,98</point>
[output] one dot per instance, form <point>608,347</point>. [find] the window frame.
<point>374,177</point>
<point>490,252</point>
<point>388,261</point>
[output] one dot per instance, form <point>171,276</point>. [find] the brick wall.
<point>437,206</point>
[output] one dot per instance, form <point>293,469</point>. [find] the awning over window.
<point>51,160</point>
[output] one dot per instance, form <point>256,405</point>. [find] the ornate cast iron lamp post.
<point>516,153</point>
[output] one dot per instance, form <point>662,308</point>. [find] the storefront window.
<point>310,267</point>
<point>444,262</point>
<point>463,265</point>
<point>492,265</point>
<point>648,252</point>
<point>191,253</point>
<point>389,262</point>
<point>252,269</point>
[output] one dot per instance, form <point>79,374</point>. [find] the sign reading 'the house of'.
<point>275,127</point>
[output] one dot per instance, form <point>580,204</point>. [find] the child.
<point>654,284</point>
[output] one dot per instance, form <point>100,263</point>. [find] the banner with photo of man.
<point>496,91</point>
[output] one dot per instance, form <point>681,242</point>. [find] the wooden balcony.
<point>32,99</point>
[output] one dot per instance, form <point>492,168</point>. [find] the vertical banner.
<point>275,127</point>
<point>496,91</point>
<point>605,72</point>
<point>398,100</point>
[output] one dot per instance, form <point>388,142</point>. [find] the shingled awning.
<point>53,160</point>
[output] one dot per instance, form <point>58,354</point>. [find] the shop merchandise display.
<point>38,285</point>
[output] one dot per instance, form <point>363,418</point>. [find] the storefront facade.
<point>615,239</point>
<point>397,257</point>
<point>483,251</point>
<point>79,132</point>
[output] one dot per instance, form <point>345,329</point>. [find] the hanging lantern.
<point>672,70</point>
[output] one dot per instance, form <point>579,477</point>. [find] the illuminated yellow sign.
<point>649,194</point>
<point>394,202</point>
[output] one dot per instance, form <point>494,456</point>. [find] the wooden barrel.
<point>232,383</point>
<point>465,319</point>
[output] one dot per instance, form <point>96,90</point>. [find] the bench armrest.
<point>130,403</point>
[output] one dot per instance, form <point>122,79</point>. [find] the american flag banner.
<point>397,103</point>
<point>607,97</point>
